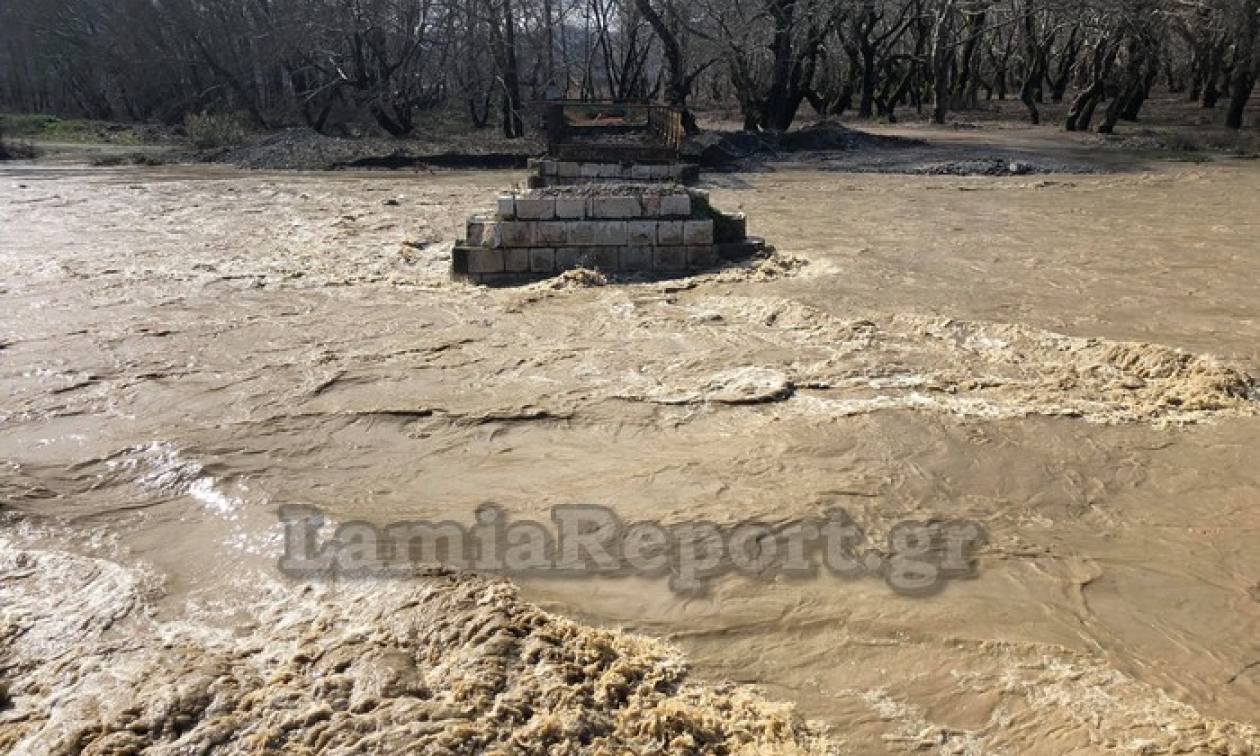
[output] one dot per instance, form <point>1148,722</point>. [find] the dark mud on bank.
<point>303,149</point>
<point>830,146</point>
<point>306,150</point>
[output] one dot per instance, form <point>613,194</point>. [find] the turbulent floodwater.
<point>1065,360</point>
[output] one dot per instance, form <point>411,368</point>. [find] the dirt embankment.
<point>826,144</point>
<point>1169,129</point>
<point>448,665</point>
<point>304,149</point>
<point>832,146</point>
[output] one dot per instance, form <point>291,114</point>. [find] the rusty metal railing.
<point>605,130</point>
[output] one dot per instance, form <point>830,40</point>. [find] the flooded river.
<point>1062,359</point>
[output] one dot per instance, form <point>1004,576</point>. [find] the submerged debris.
<point>578,278</point>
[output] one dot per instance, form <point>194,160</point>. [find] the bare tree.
<point>680,80</point>
<point>390,63</point>
<point>1246,17</point>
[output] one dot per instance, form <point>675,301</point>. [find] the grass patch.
<point>39,127</point>
<point>51,128</point>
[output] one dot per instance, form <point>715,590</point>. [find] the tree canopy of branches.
<point>329,63</point>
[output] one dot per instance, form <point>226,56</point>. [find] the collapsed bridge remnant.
<point>611,196</point>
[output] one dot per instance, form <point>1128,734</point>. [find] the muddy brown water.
<point>187,349</point>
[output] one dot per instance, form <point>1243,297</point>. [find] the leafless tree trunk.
<point>1244,74</point>
<point>942,32</point>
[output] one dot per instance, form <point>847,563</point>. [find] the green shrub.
<point>211,130</point>
<point>27,124</point>
<point>53,129</point>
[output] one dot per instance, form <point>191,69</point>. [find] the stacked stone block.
<point>550,172</point>
<point>623,231</point>
<point>632,218</point>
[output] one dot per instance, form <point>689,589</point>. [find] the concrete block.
<point>636,259</point>
<point>610,233</point>
<point>549,168</point>
<point>567,258</point>
<point>641,172</point>
<point>666,259</point>
<point>641,233</point>
<point>541,208</point>
<point>570,207</point>
<point>615,207</point>
<point>697,232</point>
<point>459,262</point>
<point>485,261</point>
<point>676,205</point>
<point>579,233</point>
<point>507,206</point>
<point>590,170</point>
<point>610,170</point>
<point>517,233</point>
<point>503,279</point>
<point>551,233</point>
<point>566,169</point>
<point>594,258</point>
<point>730,228</point>
<point>484,233</point>
<point>542,260</point>
<point>650,204</point>
<point>659,172</point>
<point>604,259</point>
<point>516,260</point>
<point>493,235</point>
<point>476,231</point>
<point>749,247</point>
<point>669,233</point>
<point>702,257</point>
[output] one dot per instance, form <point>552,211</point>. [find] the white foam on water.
<point>264,543</point>
<point>206,491</point>
<point>166,469</point>
<point>955,405</point>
